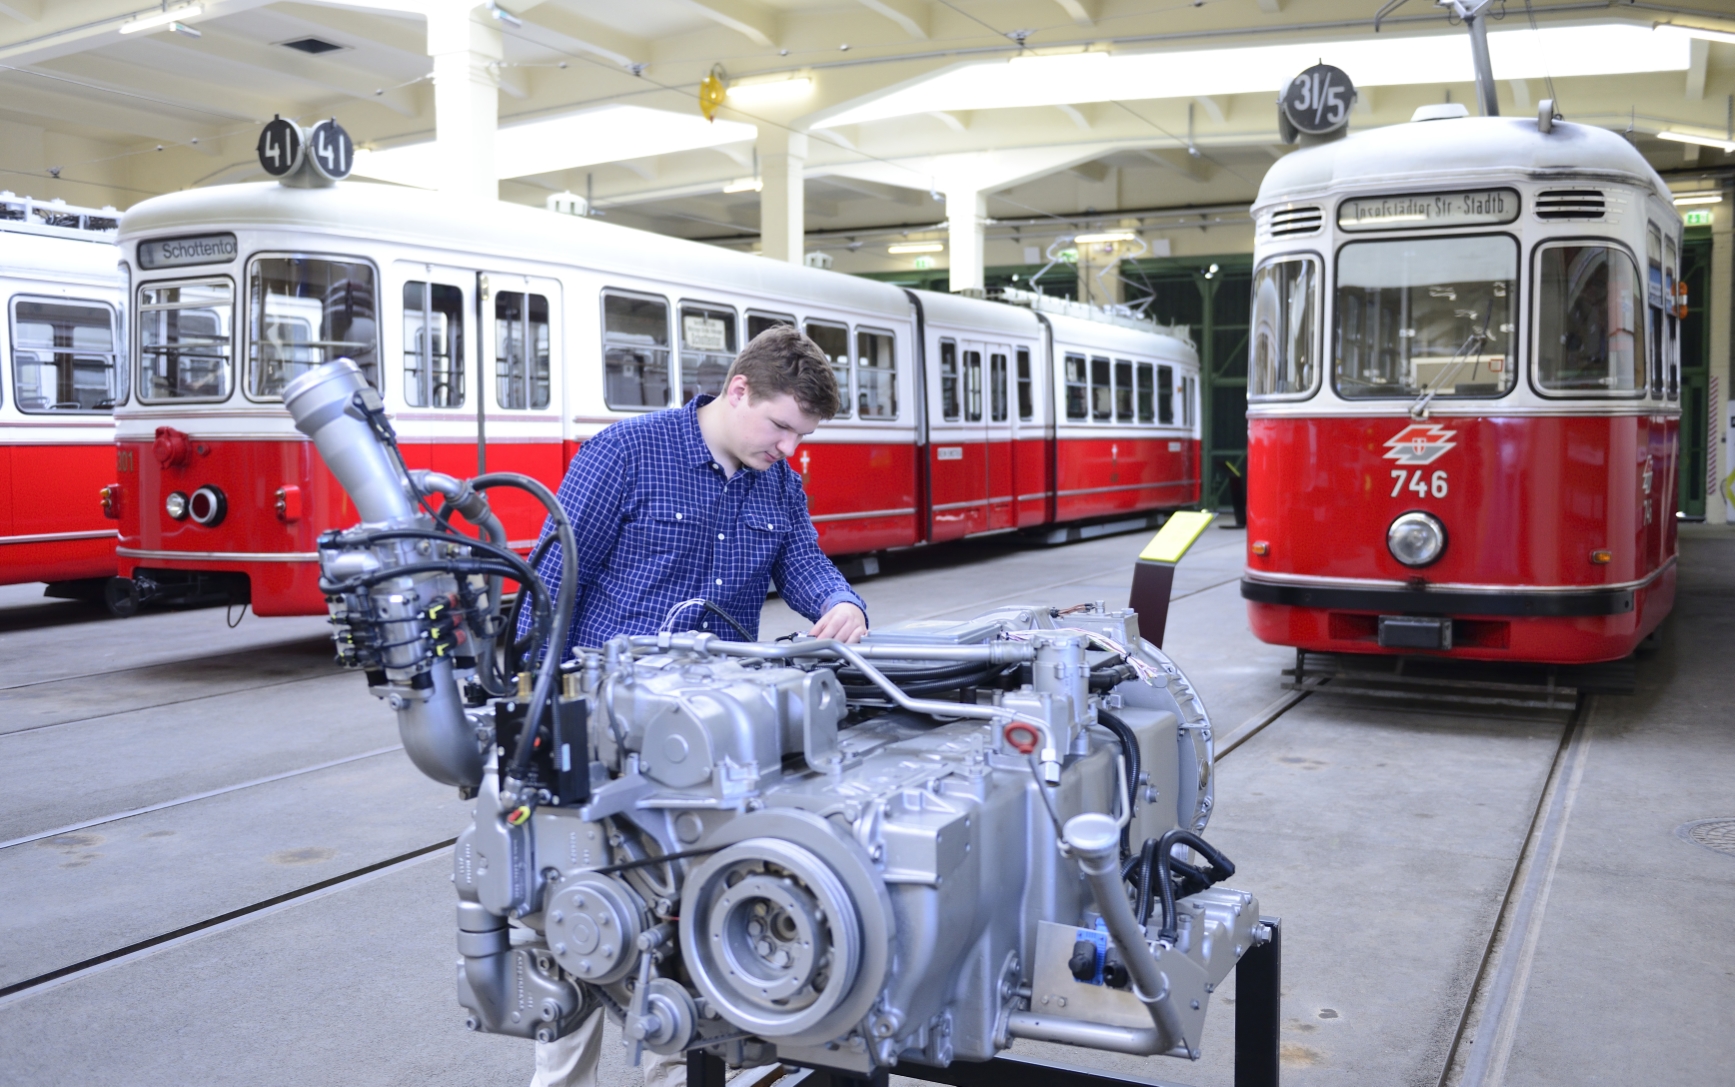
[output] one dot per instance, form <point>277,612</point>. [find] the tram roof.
<point>1458,149</point>
<point>475,231</point>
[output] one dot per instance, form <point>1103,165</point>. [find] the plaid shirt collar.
<point>693,448</point>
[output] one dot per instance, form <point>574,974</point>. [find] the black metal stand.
<point>1258,1020</point>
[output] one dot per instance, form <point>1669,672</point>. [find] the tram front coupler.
<point>910,851</point>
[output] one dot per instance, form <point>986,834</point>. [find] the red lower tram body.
<point>278,498</point>
<point>1560,533</point>
<point>52,526</point>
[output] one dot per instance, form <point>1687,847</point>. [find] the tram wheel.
<point>121,596</point>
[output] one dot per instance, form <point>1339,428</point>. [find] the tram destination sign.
<point>1475,207</point>
<point>180,252</point>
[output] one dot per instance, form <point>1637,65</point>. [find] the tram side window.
<point>876,375</point>
<point>759,322</point>
<point>1123,391</point>
<point>305,311</point>
<point>433,345</point>
<point>521,349</point>
<point>949,399</point>
<point>1588,308</point>
<point>1672,350</point>
<point>972,386</point>
<point>1426,317</point>
<point>1147,412</point>
<point>184,339</point>
<point>1189,385</point>
<point>1285,308</point>
<point>1165,395</point>
<point>707,349</point>
<point>63,356</point>
<point>1101,391</point>
<point>1026,388</point>
<point>1077,388</point>
<point>834,341</point>
<point>1654,295</point>
<point>997,398</point>
<point>635,351</point>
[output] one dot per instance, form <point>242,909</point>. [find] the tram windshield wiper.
<point>1471,348</point>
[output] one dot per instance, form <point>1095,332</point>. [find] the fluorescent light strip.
<point>915,247</point>
<point>1074,78</point>
<point>160,18</point>
<point>1702,141</point>
<point>1689,199</point>
<point>1111,236</point>
<point>745,184</point>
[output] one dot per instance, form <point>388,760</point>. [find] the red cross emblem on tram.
<point>1420,443</point>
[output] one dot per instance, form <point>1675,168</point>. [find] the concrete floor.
<point>1385,840</point>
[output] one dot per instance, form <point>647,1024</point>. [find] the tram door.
<point>1001,467</point>
<point>432,390</point>
<point>519,375</point>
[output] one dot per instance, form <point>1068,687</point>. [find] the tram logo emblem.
<point>1420,443</point>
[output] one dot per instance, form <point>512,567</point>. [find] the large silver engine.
<point>916,849</point>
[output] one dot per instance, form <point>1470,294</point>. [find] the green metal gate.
<point>1213,296</point>
<point>1695,371</point>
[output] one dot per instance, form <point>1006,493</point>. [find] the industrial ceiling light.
<point>502,15</point>
<point>164,18</point>
<point>745,184</point>
<point>1702,141</point>
<point>770,91</point>
<point>1106,238</point>
<point>915,247</point>
<point>1689,199</point>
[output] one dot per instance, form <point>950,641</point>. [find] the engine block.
<point>915,849</point>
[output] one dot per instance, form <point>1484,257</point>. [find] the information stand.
<point>1258,1020</point>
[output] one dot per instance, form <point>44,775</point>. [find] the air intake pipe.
<point>334,405</point>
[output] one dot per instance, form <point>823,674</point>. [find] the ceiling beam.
<point>198,97</point>
<point>749,18</point>
<point>25,11</point>
<point>1698,61</point>
<point>912,16</point>
<point>554,26</point>
<point>1081,12</point>
<point>1077,118</point>
<point>141,122</point>
<point>1271,7</point>
<point>401,34</point>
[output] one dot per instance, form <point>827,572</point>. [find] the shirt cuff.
<point>842,596</point>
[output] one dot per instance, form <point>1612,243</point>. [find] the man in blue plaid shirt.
<point>683,511</point>
<point>683,518</point>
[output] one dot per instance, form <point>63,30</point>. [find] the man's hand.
<point>845,623</point>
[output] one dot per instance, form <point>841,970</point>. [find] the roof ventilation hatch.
<point>1587,204</point>
<point>1295,221</point>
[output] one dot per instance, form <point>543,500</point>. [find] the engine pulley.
<point>593,922</point>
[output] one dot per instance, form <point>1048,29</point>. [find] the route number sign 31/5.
<point>1317,101</point>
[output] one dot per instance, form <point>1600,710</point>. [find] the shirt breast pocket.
<point>763,533</point>
<point>662,532</point>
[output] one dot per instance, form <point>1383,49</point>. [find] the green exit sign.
<point>1697,217</point>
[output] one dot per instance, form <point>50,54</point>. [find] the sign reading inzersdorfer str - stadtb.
<point>1433,209</point>
<point>175,252</point>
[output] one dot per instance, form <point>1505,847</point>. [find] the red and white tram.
<point>1464,393</point>
<point>505,336</point>
<point>61,374</point>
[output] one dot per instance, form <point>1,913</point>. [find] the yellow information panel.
<point>1178,534</point>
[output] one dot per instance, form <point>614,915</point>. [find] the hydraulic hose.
<point>1221,869</point>
<point>543,690</point>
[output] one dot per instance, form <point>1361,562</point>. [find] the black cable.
<point>543,690</point>
<point>1221,869</point>
<point>516,647</point>
<point>730,619</point>
<point>1146,859</point>
<point>1130,752</point>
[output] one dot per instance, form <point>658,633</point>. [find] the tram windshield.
<point>1426,317</point>
<point>185,331</point>
<point>305,311</point>
<point>1590,337</point>
<point>63,356</point>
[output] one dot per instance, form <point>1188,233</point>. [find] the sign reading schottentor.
<point>1435,209</point>
<point>178,252</point>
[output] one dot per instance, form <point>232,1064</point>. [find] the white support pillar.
<point>966,218</point>
<point>782,193</point>
<point>465,43</point>
<point>1721,307</point>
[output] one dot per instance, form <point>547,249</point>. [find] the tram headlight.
<point>176,506</point>
<point>1416,538</point>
